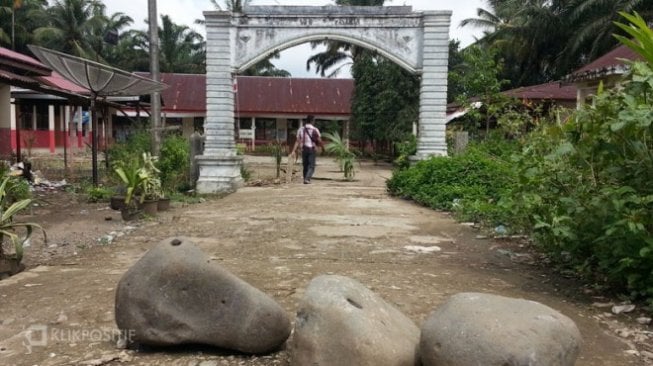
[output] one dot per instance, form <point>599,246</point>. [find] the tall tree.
<point>182,49</point>
<point>102,43</point>
<point>543,40</point>
<point>18,20</point>
<point>594,20</point>
<point>338,52</point>
<point>264,67</point>
<point>72,27</point>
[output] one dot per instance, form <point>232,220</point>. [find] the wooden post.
<point>461,141</point>
<point>196,149</point>
<point>51,131</point>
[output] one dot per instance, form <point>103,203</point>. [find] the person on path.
<point>309,138</point>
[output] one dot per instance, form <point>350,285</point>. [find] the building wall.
<point>5,119</point>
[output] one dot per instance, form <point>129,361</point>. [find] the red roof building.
<point>607,69</point>
<point>554,92</point>
<point>38,108</point>
<point>268,108</point>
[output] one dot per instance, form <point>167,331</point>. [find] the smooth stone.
<point>176,295</point>
<point>341,322</point>
<point>491,330</point>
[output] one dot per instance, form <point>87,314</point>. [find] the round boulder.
<point>341,322</point>
<point>484,329</point>
<point>175,295</point>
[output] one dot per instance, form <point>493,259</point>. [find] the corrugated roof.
<point>549,91</point>
<point>10,77</point>
<point>57,81</point>
<point>609,64</point>
<point>23,62</point>
<point>262,95</point>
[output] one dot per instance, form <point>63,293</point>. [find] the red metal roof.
<point>187,92</point>
<point>57,81</point>
<point>10,77</point>
<point>551,91</point>
<point>610,63</point>
<point>262,95</point>
<point>23,62</point>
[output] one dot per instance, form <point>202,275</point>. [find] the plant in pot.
<point>10,263</point>
<point>131,175</point>
<point>151,185</point>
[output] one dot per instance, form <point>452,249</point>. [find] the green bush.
<point>470,183</point>
<point>585,188</point>
<point>136,144</point>
<point>98,194</point>
<point>405,149</point>
<point>174,163</point>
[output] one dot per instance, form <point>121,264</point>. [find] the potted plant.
<point>151,185</point>
<point>130,173</point>
<point>10,263</point>
<point>117,200</point>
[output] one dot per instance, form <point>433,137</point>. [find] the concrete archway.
<point>417,41</point>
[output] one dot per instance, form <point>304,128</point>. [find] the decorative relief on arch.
<point>395,32</point>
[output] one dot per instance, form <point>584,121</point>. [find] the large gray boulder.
<point>482,329</point>
<point>341,322</point>
<point>175,295</point>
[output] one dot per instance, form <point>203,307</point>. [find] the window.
<point>245,123</point>
<point>198,124</point>
<point>42,117</point>
<point>266,129</point>
<point>25,116</point>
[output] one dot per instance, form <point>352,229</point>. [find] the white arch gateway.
<point>417,41</point>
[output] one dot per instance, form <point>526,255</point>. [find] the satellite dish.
<point>100,79</point>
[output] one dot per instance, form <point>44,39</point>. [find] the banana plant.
<point>8,228</point>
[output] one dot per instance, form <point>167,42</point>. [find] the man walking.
<point>309,138</point>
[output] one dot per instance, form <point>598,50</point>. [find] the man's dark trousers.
<point>308,161</point>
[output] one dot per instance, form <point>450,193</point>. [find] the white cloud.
<point>294,59</point>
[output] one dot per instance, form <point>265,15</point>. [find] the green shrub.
<point>136,144</point>
<point>245,173</point>
<point>470,183</point>
<point>98,194</point>
<point>174,163</point>
<point>405,150</point>
<point>585,189</point>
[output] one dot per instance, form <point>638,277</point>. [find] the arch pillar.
<point>431,137</point>
<point>219,165</point>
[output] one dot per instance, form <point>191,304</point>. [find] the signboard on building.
<point>246,134</point>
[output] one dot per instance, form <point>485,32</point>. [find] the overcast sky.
<point>293,59</point>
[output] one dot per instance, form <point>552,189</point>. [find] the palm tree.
<point>18,19</point>
<point>182,49</point>
<point>71,27</point>
<point>102,46</point>
<point>337,52</point>
<point>131,53</point>
<point>262,68</point>
<point>595,25</point>
<point>528,36</point>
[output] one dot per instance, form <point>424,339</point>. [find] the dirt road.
<point>278,237</point>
